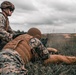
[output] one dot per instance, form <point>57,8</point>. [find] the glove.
<point>9,37</point>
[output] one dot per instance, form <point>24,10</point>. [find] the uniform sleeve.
<point>2,24</point>
<point>39,48</point>
<point>10,30</point>
<point>4,35</point>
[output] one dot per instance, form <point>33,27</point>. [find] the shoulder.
<point>2,16</point>
<point>34,42</point>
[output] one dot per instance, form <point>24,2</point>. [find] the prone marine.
<point>21,50</point>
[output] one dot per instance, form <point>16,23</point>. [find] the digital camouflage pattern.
<point>11,63</point>
<point>5,28</point>
<point>39,48</point>
<point>4,24</point>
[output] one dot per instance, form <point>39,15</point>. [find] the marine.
<point>16,53</point>
<point>6,32</point>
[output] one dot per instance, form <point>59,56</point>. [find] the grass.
<point>66,46</point>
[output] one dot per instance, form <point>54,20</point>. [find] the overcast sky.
<point>50,16</point>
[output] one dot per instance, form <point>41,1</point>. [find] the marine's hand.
<point>52,50</point>
<point>7,37</point>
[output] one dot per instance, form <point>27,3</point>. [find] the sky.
<point>50,16</point>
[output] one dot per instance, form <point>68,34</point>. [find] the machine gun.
<point>44,41</point>
<point>17,34</point>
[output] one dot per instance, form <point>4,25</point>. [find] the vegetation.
<point>66,46</point>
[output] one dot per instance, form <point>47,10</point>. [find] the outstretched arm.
<point>61,58</point>
<point>52,50</point>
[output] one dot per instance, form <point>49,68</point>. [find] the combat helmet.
<point>7,4</point>
<point>35,32</point>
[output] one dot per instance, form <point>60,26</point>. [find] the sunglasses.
<point>11,9</point>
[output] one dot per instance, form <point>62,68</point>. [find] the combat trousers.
<point>11,63</point>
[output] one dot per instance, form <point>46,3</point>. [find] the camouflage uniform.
<point>4,25</point>
<point>39,48</point>
<point>4,30</point>
<point>11,62</point>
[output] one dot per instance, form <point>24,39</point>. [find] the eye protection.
<point>11,9</point>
